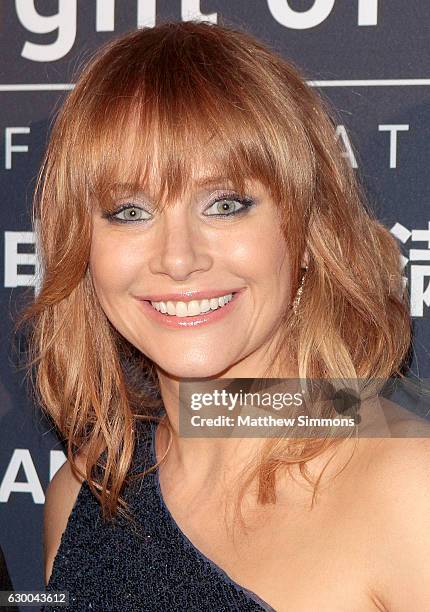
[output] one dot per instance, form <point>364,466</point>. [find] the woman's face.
<point>139,254</point>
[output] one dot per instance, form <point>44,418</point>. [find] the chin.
<point>190,370</point>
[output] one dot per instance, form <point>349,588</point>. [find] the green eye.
<point>131,213</point>
<point>127,214</point>
<point>227,206</point>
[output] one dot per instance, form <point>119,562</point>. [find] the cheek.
<point>112,264</point>
<point>263,256</point>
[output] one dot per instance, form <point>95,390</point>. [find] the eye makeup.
<point>225,199</point>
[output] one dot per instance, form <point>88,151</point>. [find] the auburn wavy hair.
<point>145,108</point>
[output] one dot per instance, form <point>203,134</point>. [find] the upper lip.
<point>187,296</point>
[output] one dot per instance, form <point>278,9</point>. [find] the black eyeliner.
<point>245,201</point>
<point>111,216</point>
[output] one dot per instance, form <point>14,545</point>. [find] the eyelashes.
<point>221,202</point>
<point>113,217</point>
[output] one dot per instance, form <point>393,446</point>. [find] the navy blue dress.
<point>112,566</point>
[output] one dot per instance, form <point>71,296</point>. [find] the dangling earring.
<point>296,301</point>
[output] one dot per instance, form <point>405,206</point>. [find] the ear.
<point>305,259</point>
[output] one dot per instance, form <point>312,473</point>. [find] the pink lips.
<point>172,321</point>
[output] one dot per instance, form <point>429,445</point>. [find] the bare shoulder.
<point>396,487</point>
<point>60,498</point>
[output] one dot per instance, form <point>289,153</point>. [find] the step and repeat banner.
<point>369,58</point>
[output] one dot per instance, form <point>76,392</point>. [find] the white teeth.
<point>181,309</point>
<point>171,310</point>
<point>193,308</point>
<point>204,305</point>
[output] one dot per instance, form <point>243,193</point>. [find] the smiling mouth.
<point>192,308</point>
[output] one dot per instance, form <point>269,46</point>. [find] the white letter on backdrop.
<point>393,129</point>
<point>190,9</point>
<point>300,20</point>
<point>11,148</point>
<point>367,12</point>
<point>64,21</point>
<point>105,15</point>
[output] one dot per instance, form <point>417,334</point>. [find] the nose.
<point>180,248</point>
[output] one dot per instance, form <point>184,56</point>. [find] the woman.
<point>192,172</point>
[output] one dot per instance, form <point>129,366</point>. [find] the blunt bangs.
<point>168,111</point>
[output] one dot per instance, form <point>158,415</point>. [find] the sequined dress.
<point>107,567</point>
